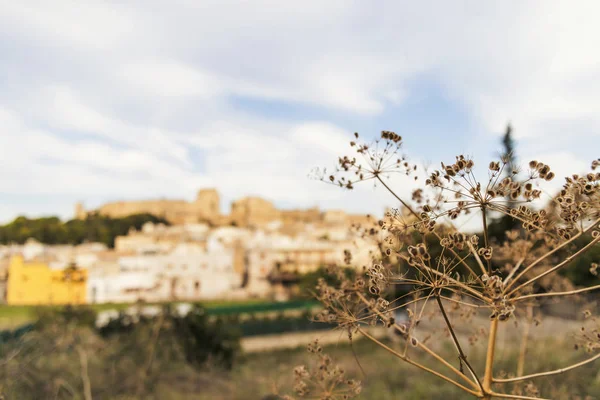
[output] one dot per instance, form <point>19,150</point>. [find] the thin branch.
<point>516,396</point>
<point>61,383</point>
<point>547,373</point>
<point>560,265</point>
<point>485,237</point>
<point>513,271</point>
<point>477,258</point>
<point>461,302</point>
<point>503,209</point>
<point>85,377</point>
<point>541,258</point>
<point>461,354</point>
<point>524,341</point>
<point>413,212</point>
<point>153,346</point>
<point>454,281</point>
<point>489,359</point>
<point>12,355</point>
<point>416,364</point>
<point>405,204</point>
<point>423,346</point>
<point>550,294</point>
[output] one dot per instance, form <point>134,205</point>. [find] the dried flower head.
<point>325,380</point>
<point>448,273</point>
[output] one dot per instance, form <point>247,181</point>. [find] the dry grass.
<point>385,379</point>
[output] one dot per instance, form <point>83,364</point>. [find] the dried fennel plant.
<point>450,271</point>
<point>325,379</point>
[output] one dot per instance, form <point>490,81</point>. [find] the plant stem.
<point>513,396</point>
<point>422,346</point>
<point>551,294</point>
<point>416,364</point>
<point>153,346</point>
<point>489,360</point>
<point>548,373</point>
<point>533,264</point>
<point>524,340</point>
<point>560,265</point>
<point>85,377</point>
<point>485,237</point>
<point>461,355</point>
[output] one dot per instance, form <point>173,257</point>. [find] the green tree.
<point>499,226</point>
<point>51,230</point>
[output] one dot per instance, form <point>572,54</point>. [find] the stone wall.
<point>245,212</point>
<point>206,207</point>
<point>253,211</point>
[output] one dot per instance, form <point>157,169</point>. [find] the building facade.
<point>35,283</point>
<point>188,272</point>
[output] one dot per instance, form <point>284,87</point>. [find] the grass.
<point>12,316</point>
<point>258,375</point>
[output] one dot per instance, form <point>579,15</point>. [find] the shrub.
<point>64,356</point>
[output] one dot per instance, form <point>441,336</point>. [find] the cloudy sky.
<point>122,100</point>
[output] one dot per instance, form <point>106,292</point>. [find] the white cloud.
<point>39,163</point>
<point>67,112</point>
<point>96,25</point>
<point>160,78</point>
<point>132,101</point>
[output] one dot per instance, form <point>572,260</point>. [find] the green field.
<point>15,316</point>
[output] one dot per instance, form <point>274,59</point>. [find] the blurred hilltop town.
<point>256,251</point>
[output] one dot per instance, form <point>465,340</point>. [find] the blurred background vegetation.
<point>198,356</point>
<point>94,228</point>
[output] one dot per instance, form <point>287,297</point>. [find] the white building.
<point>188,272</point>
<point>32,249</point>
<point>275,257</point>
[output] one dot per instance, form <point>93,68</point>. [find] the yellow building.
<point>35,283</point>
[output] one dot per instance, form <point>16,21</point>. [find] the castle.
<point>204,209</point>
<point>245,212</point>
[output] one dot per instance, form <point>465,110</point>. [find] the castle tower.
<point>80,212</point>
<point>208,204</point>
<point>253,211</point>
